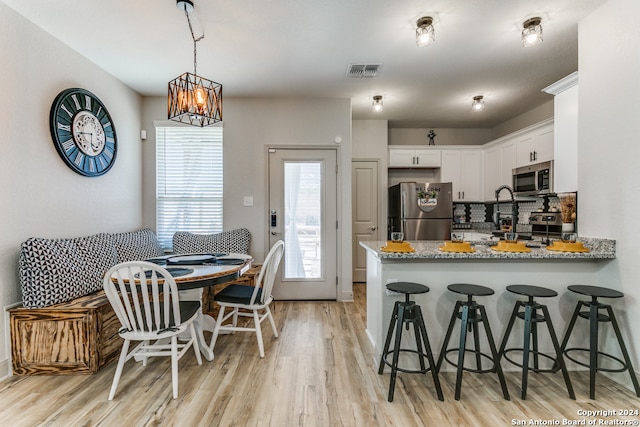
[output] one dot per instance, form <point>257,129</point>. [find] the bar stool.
<point>404,313</point>
<point>531,319</point>
<point>595,318</point>
<point>471,313</point>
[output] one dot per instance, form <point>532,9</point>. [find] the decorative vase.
<point>567,227</point>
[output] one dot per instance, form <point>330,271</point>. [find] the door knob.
<point>373,228</point>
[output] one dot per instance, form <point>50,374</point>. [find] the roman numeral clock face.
<point>83,132</point>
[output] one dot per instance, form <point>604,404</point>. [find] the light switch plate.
<point>248,201</point>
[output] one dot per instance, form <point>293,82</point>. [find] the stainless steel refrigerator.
<point>422,211</point>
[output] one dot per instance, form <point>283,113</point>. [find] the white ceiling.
<point>266,48</point>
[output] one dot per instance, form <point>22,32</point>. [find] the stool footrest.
<point>600,353</point>
<point>535,352</point>
<point>464,368</point>
<point>409,371</point>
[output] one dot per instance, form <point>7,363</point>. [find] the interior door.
<point>364,200</point>
<point>303,213</point>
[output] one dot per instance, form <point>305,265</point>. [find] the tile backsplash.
<point>483,212</point>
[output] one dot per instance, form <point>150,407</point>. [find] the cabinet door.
<point>543,148</point>
<point>499,164</point>
<point>525,149</point>
<point>471,175</point>
<point>493,172</point>
<point>399,157</point>
<point>428,158</point>
<point>450,171</point>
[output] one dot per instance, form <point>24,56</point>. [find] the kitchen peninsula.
<point>430,266</point>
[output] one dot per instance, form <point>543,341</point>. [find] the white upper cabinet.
<point>535,146</point>
<point>499,162</point>
<point>464,169</point>
<point>565,106</point>
<point>414,158</point>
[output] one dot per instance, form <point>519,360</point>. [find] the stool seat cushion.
<point>470,289</point>
<point>532,291</point>
<point>595,291</point>
<point>407,288</point>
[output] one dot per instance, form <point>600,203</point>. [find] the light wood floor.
<point>320,372</point>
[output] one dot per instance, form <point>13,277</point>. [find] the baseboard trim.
<point>4,370</point>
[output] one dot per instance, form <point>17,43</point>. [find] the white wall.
<point>444,136</point>
<point>533,116</point>
<point>41,196</point>
<point>250,126</point>
<point>608,152</point>
<point>370,141</point>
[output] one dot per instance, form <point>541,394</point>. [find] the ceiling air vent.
<point>363,70</point>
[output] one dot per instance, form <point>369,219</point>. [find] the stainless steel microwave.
<point>533,180</point>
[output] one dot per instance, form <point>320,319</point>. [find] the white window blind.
<point>188,181</point>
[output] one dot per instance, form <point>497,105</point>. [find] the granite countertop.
<point>428,249</point>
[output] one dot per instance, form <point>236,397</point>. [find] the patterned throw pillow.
<point>228,241</point>
<point>137,245</point>
<point>52,271</point>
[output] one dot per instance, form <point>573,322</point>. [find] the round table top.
<point>595,291</point>
<point>470,289</point>
<point>407,288</point>
<point>532,291</point>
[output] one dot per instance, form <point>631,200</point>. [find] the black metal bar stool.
<point>595,318</point>
<point>471,313</point>
<point>531,318</point>
<point>404,313</point>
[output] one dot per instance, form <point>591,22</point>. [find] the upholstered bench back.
<point>52,271</point>
<point>228,241</point>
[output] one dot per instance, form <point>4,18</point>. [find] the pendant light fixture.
<point>377,103</point>
<point>425,34</point>
<point>193,99</point>
<point>478,103</point>
<point>531,32</point>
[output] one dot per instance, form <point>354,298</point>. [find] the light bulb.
<point>478,103</point>
<point>531,32</point>
<point>377,103</point>
<point>425,34</point>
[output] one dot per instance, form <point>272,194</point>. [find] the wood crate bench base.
<point>75,337</point>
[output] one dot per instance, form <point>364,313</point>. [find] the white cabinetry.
<point>499,162</point>
<point>407,157</point>
<point>464,169</point>
<point>565,103</point>
<point>535,146</point>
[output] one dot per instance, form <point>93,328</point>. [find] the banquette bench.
<point>66,324</point>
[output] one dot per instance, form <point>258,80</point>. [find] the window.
<point>188,181</point>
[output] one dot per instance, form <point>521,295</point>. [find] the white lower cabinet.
<point>464,169</point>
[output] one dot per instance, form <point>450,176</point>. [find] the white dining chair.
<point>250,301</point>
<point>145,298</point>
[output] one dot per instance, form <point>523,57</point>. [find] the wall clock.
<point>83,132</point>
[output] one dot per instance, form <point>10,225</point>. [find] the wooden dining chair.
<point>250,301</point>
<point>145,298</point>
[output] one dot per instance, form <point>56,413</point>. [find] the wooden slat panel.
<point>55,341</point>
<point>78,336</point>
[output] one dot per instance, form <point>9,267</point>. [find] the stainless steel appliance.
<point>421,211</point>
<point>533,180</point>
<point>548,224</point>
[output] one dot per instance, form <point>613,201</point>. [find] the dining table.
<point>194,272</point>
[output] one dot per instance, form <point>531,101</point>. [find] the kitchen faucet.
<point>514,214</point>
